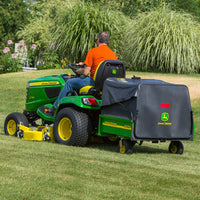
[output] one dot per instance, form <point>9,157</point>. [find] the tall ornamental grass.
<point>77,28</point>
<point>163,40</point>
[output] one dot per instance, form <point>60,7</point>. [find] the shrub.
<point>164,41</point>
<point>49,59</point>
<point>40,27</point>
<point>38,30</point>
<point>9,62</point>
<point>12,59</point>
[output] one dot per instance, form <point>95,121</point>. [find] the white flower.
<point>21,42</point>
<point>33,46</point>
<point>9,41</point>
<point>14,55</point>
<point>6,50</point>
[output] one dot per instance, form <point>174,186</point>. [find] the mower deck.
<point>41,133</point>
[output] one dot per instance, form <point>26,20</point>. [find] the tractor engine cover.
<point>43,90</point>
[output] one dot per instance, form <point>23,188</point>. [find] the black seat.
<point>106,69</point>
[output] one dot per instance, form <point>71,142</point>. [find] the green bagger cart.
<point>128,110</point>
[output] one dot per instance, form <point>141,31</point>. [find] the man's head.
<point>103,37</point>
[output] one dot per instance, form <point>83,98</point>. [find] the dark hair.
<point>103,37</point>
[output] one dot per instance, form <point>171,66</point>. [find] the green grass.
<point>42,170</point>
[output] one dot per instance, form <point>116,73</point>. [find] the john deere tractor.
<point>128,110</point>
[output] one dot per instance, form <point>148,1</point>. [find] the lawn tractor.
<point>117,109</point>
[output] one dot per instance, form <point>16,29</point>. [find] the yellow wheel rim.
<point>122,149</point>
<point>11,127</point>
<point>65,128</point>
<point>174,149</point>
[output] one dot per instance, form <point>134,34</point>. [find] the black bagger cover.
<point>159,110</point>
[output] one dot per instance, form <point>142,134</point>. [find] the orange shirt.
<point>97,55</point>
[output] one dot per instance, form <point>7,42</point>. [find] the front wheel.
<point>71,127</point>
<point>11,122</point>
<point>176,147</point>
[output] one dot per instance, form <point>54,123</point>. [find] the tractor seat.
<point>106,69</point>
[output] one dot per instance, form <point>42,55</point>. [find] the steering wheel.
<point>71,66</point>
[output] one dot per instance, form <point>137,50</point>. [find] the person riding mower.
<point>131,110</point>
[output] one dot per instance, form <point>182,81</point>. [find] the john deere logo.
<point>114,71</point>
<point>165,117</point>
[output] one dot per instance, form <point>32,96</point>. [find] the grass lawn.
<point>42,170</point>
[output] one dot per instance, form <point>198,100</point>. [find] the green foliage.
<point>190,6</point>
<point>77,28</point>
<point>114,4</point>
<point>9,61</point>
<point>73,25</point>
<point>38,30</point>
<point>133,7</point>
<point>40,27</point>
<point>49,59</point>
<point>15,57</point>
<point>13,16</point>
<point>32,56</point>
<point>163,40</point>
<point>10,64</point>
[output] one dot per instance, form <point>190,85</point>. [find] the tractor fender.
<point>77,101</point>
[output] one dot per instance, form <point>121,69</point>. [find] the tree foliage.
<point>13,16</point>
<point>39,28</point>
<point>190,6</point>
<point>133,7</point>
<point>164,41</point>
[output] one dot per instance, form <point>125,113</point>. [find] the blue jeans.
<point>72,84</point>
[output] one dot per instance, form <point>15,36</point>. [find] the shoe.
<point>49,110</point>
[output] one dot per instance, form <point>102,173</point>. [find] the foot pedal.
<point>44,110</point>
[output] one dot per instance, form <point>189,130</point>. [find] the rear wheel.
<point>176,147</point>
<point>71,127</point>
<point>11,122</point>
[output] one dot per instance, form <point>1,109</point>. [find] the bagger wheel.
<point>125,147</point>
<point>11,122</point>
<point>71,127</point>
<point>176,147</point>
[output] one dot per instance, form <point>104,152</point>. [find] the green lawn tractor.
<point>117,109</point>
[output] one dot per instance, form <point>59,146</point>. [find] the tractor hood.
<point>47,81</point>
<point>44,90</point>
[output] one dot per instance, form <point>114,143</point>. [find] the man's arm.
<point>84,70</point>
